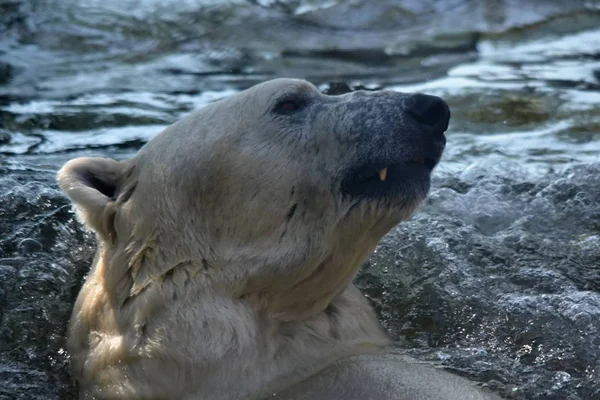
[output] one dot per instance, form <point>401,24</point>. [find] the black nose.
<point>429,111</point>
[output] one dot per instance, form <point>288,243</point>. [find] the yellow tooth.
<point>383,174</point>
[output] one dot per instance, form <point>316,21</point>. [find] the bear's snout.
<point>398,147</point>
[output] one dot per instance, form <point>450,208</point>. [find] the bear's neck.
<point>294,350</point>
<point>217,346</point>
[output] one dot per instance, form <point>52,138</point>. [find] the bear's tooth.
<point>383,174</point>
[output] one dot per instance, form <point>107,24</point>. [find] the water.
<point>497,277</point>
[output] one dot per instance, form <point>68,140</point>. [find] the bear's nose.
<point>430,111</point>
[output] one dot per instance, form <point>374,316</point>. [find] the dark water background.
<point>497,278</point>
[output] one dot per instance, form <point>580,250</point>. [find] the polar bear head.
<point>274,195</point>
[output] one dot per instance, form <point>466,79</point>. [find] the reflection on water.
<point>497,277</point>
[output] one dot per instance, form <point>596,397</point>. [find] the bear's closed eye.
<point>290,104</point>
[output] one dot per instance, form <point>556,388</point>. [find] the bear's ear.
<point>91,183</point>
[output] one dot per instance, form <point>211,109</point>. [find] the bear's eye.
<point>290,105</point>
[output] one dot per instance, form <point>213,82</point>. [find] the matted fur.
<point>226,253</point>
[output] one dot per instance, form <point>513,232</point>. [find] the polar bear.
<point>227,247</point>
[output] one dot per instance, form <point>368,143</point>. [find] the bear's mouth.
<point>377,179</point>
